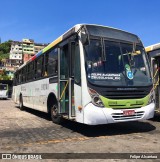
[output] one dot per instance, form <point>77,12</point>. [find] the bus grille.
<point>126,94</point>
<point>118,93</point>
<point>120,116</point>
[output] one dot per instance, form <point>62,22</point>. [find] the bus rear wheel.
<point>56,118</point>
<point>21,107</point>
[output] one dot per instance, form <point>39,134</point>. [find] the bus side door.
<point>66,75</point>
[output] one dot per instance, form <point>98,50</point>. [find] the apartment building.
<point>22,51</point>
<point>38,47</point>
<point>15,58</point>
<point>27,49</point>
<point>16,50</point>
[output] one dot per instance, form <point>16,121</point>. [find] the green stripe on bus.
<point>125,103</point>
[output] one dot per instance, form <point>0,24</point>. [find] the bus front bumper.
<point>95,115</point>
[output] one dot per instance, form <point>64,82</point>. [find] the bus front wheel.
<point>56,118</point>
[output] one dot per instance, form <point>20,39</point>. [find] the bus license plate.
<point>128,112</point>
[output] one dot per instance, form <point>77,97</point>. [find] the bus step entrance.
<point>66,101</point>
<point>64,97</point>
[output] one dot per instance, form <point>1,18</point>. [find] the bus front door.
<point>66,81</point>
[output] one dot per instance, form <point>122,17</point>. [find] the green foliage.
<point>4,56</point>
<point>5,49</point>
<point>4,76</point>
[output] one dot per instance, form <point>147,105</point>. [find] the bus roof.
<point>152,47</point>
<point>64,36</point>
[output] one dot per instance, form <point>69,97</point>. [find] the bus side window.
<point>35,69</point>
<point>39,67</point>
<point>42,66</point>
<point>30,72</point>
<point>27,71</point>
<point>77,69</point>
<point>52,62</point>
<point>15,79</point>
<point>64,69</point>
<point>24,74</point>
<point>72,59</point>
<point>46,64</point>
<point>20,76</point>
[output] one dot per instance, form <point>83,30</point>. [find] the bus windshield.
<point>3,87</point>
<point>111,63</point>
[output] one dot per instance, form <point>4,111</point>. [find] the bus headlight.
<point>151,97</point>
<point>95,98</point>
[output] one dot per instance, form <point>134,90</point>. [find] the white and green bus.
<point>91,74</point>
<point>3,91</point>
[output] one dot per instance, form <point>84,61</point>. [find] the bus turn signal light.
<point>80,108</point>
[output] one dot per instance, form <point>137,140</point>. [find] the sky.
<point>45,20</point>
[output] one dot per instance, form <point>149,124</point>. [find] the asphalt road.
<point>32,131</point>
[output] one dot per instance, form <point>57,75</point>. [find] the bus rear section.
<point>3,91</point>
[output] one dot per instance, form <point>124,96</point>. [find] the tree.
<point>4,54</point>
<point>4,76</point>
<point>5,49</point>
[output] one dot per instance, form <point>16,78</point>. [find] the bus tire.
<point>21,107</point>
<point>56,118</point>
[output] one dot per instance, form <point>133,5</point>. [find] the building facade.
<point>16,51</point>
<point>38,47</point>
<point>22,51</point>
<point>15,58</point>
<point>27,49</point>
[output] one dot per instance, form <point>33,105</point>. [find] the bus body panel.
<point>35,94</point>
<point>78,102</point>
